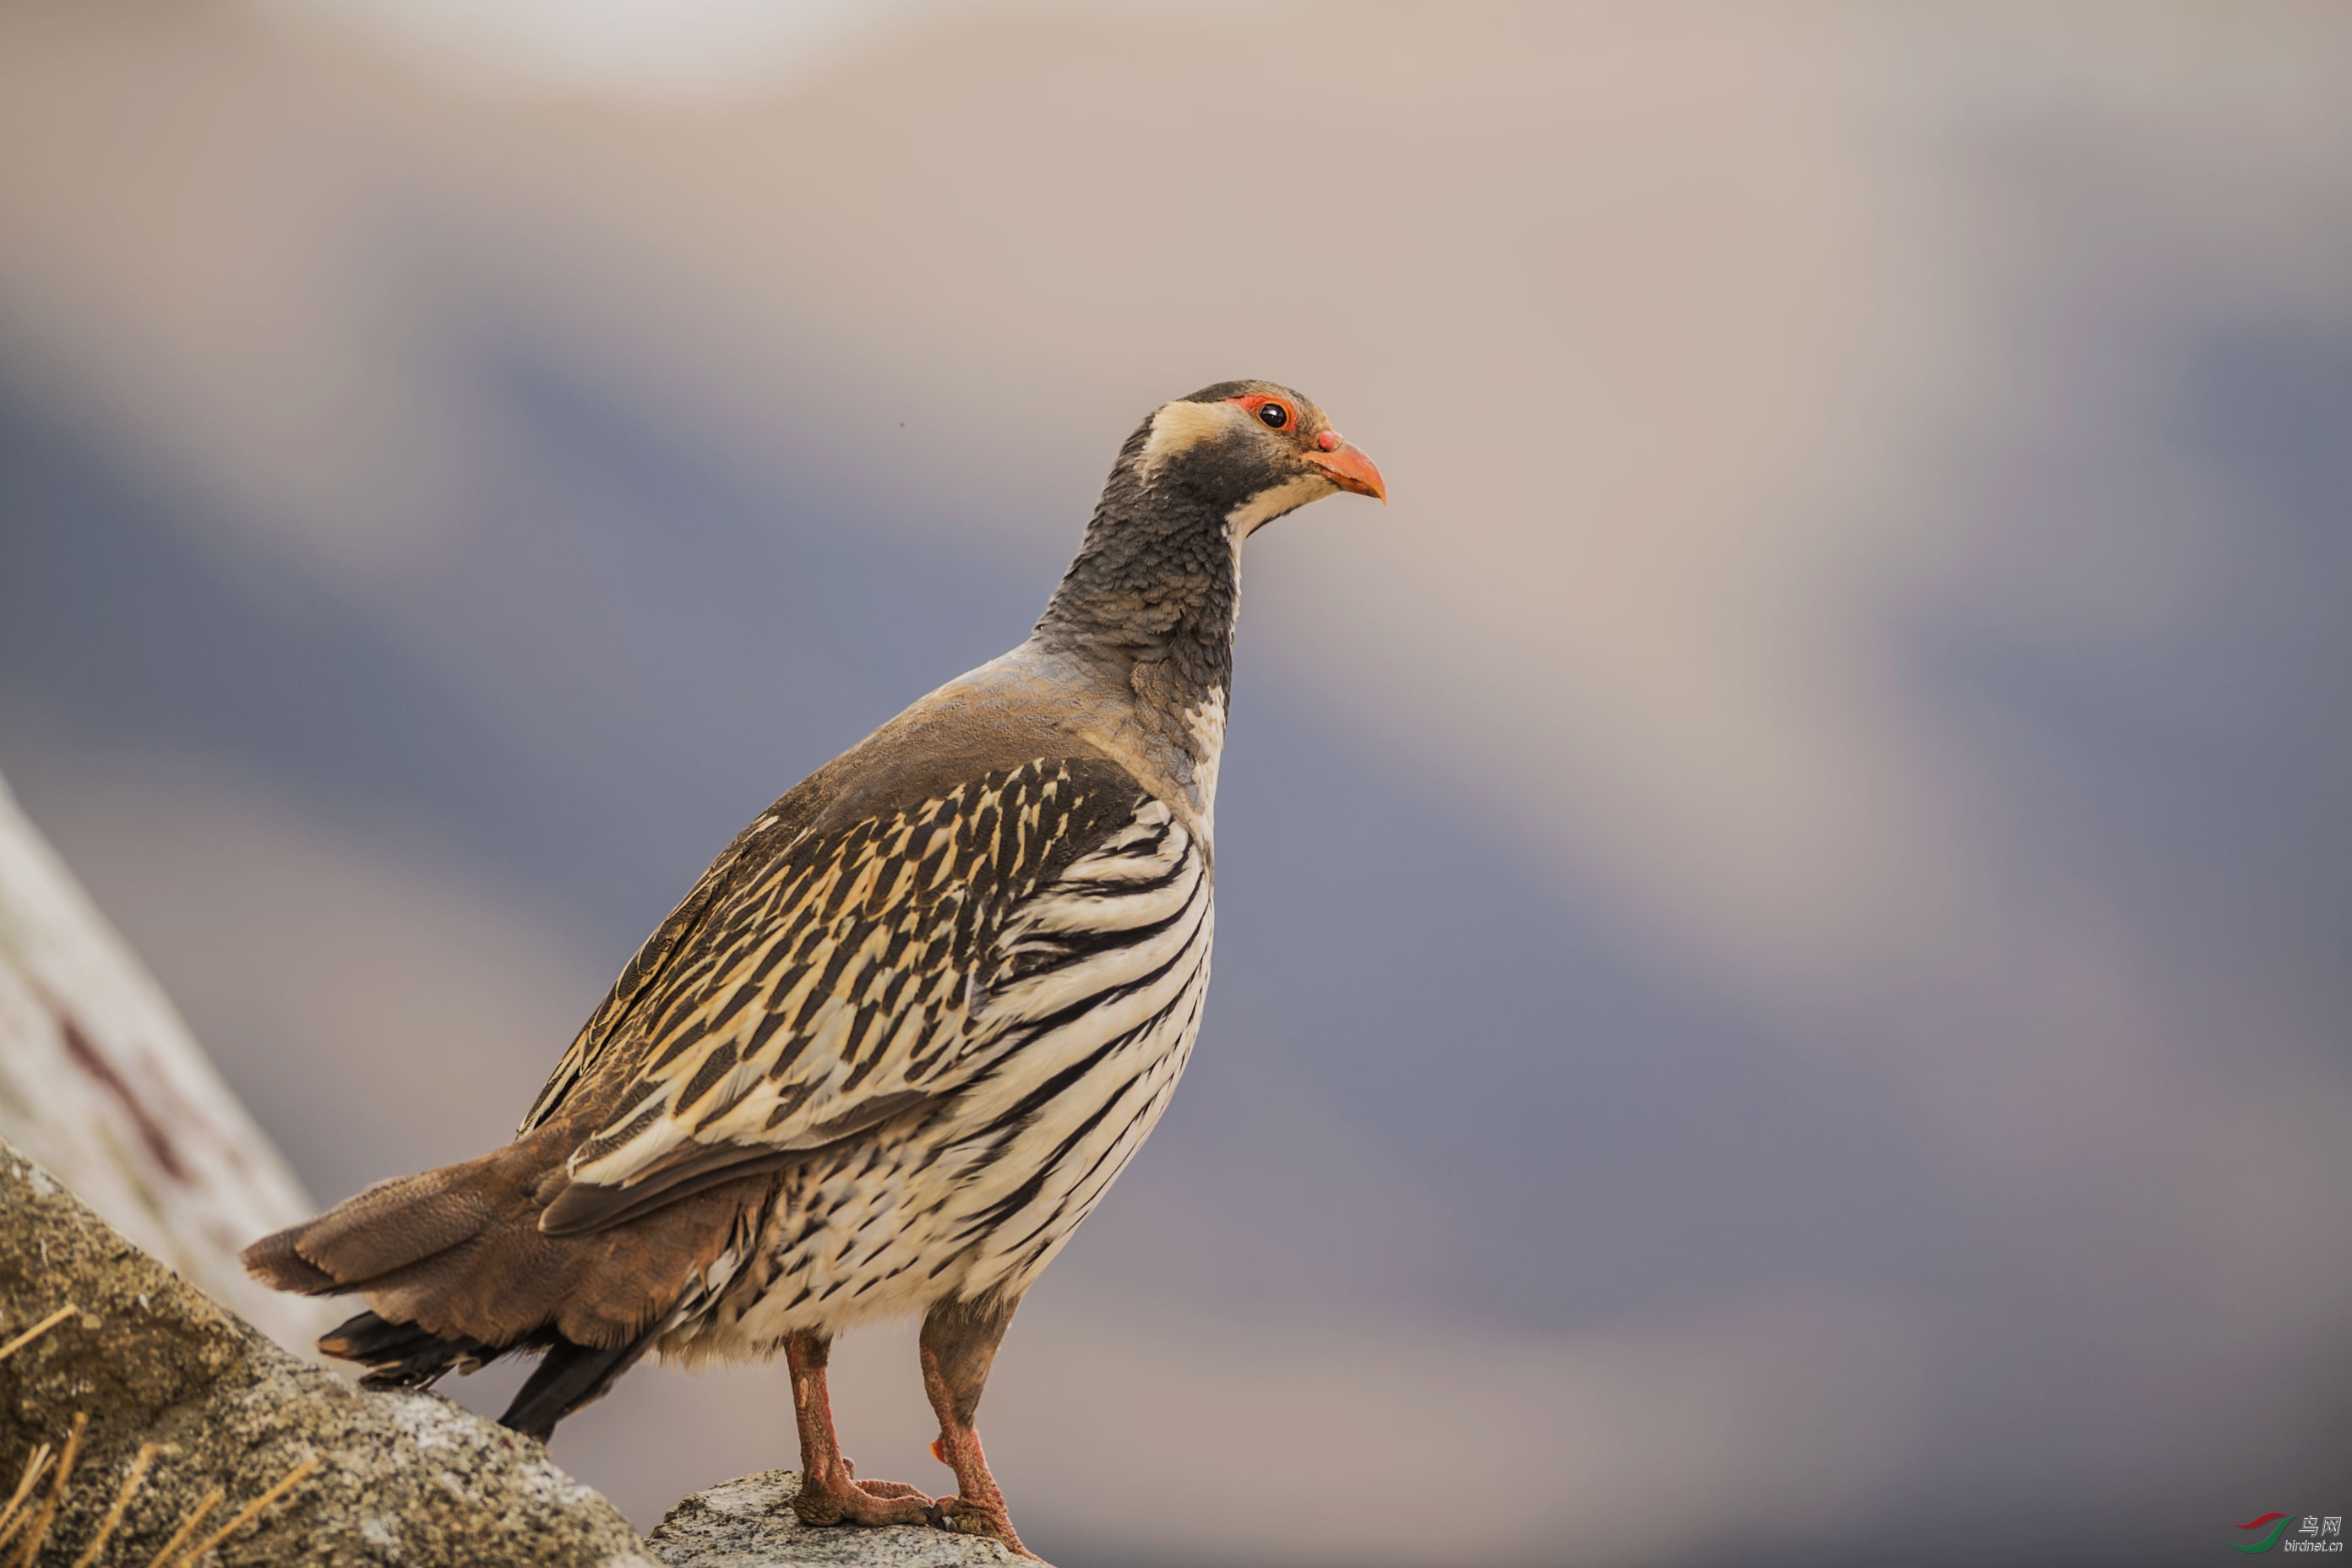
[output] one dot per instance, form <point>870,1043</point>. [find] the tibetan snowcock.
<point>896,1043</point>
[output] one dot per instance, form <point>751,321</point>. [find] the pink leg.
<point>959,1343</point>
<point>830,1491</point>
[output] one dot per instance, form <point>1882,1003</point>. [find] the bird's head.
<point>1157,581</point>
<point>1251,450</point>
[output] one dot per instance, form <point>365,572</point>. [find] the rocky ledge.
<point>137,1408</point>
<point>141,1422</point>
<point>750,1523</point>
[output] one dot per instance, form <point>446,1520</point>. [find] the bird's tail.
<point>391,1229</point>
<point>402,1355</point>
<point>456,1273</point>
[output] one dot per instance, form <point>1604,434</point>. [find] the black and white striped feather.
<point>947,1025</point>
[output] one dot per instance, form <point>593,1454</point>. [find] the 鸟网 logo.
<point>2316,1533</point>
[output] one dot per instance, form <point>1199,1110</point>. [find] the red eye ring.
<point>1272,412</point>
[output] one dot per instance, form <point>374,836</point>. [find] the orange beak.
<point>1351,471</point>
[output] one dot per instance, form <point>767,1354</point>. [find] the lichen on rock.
<point>403,1478</point>
<point>748,1523</point>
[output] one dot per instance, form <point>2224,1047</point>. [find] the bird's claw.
<point>837,1498</point>
<point>961,1517</point>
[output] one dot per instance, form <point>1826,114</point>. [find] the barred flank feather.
<point>1069,1040</point>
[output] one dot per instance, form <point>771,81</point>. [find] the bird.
<point>894,1045</point>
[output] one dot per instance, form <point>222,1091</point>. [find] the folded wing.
<point>848,978</point>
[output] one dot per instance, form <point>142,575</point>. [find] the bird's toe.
<point>964,1517</point>
<point>836,1498</point>
<point>893,1488</point>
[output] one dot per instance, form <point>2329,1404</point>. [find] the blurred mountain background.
<point>1783,993</point>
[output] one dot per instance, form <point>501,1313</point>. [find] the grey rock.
<point>750,1523</point>
<point>102,1083</point>
<point>407,1479</point>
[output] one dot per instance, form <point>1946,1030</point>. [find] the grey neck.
<point>1152,596</point>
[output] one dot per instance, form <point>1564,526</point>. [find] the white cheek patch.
<point>1268,504</point>
<point>1180,426</point>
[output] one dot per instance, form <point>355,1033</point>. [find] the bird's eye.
<point>1275,414</point>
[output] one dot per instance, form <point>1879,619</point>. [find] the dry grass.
<point>37,1329</point>
<point>37,1523</point>
<point>25,1526</point>
<point>147,1453</point>
<point>251,1512</point>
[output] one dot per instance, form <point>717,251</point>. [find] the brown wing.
<point>771,835</point>
<point>810,990</point>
